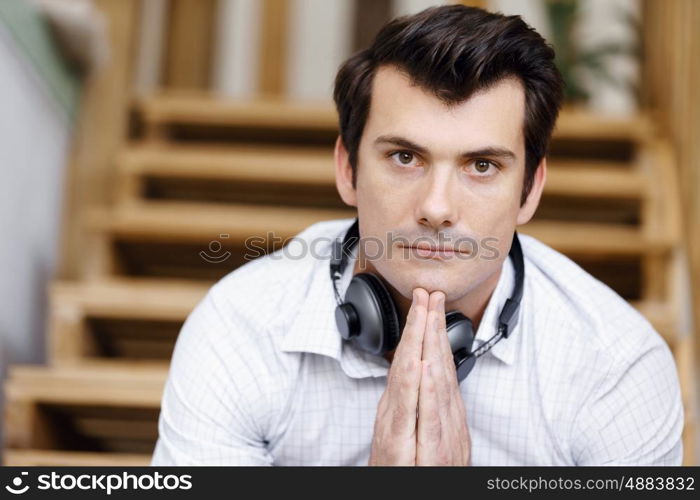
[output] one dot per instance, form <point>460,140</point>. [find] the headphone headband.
<point>341,249</point>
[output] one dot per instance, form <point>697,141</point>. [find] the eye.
<point>482,166</point>
<point>403,158</point>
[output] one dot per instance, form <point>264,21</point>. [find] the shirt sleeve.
<point>635,416</point>
<point>206,417</point>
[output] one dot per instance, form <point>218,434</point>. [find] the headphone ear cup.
<point>378,319</point>
<point>460,331</point>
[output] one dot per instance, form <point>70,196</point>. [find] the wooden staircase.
<point>206,175</point>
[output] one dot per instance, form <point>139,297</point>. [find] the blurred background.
<point>141,142</point>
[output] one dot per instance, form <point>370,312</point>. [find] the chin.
<point>455,279</point>
<point>405,280</point>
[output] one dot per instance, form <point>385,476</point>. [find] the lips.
<point>427,250</point>
<point>424,246</point>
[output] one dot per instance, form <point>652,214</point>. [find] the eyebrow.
<point>489,151</point>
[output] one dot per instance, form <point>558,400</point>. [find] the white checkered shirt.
<point>261,376</point>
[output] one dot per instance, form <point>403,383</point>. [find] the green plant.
<point>571,59</point>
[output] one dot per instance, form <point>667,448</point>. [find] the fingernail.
<point>414,295</point>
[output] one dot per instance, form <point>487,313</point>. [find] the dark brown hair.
<point>454,51</point>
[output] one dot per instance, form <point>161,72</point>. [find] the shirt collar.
<point>314,329</point>
<point>504,349</point>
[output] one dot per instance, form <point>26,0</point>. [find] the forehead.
<point>490,117</point>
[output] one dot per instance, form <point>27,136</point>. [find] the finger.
<point>402,402</point>
<point>456,409</point>
<point>436,308</point>
<point>406,360</point>
<point>429,428</point>
<point>405,372</point>
<point>411,341</point>
<point>447,357</point>
<point>433,348</point>
<point>442,368</point>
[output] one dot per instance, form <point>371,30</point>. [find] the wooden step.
<point>575,191</point>
<point>202,108</point>
<point>207,109</point>
<point>166,239</point>
<point>662,318</point>
<point>100,407</point>
<point>583,124</point>
<point>137,384</point>
<point>131,298</point>
<point>172,300</point>
<point>595,239</point>
<point>192,240</point>
<point>595,180</point>
<point>268,164</point>
<point>314,166</point>
<point>243,174</point>
<point>304,177</point>
<point>173,239</point>
<point>54,458</point>
<point>199,222</point>
<point>120,318</point>
<point>75,307</point>
<point>179,221</point>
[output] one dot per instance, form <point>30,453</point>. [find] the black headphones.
<point>368,315</point>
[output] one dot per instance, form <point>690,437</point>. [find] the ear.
<point>533,198</point>
<point>343,174</point>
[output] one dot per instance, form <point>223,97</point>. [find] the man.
<point>444,126</point>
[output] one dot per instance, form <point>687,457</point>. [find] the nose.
<point>437,208</point>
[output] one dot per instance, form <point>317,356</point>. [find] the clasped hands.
<point>421,418</point>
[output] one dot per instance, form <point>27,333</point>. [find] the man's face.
<point>442,176</point>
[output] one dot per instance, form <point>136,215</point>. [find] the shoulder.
<point>618,372</point>
<point>260,297</point>
<point>237,326</point>
<point>576,297</point>
<point>583,315</point>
